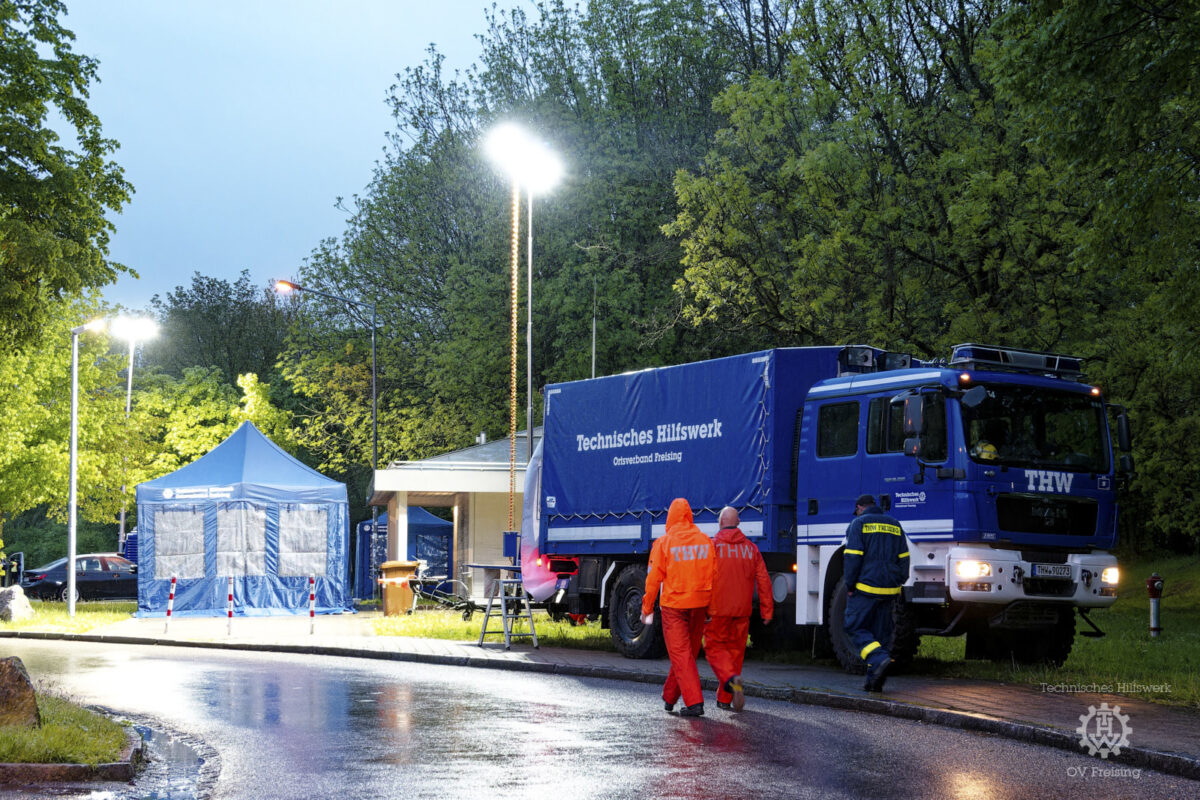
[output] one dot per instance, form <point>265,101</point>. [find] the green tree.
<point>184,418</point>
<point>876,191</point>
<point>236,328</point>
<point>1109,90</point>
<point>35,393</point>
<point>53,199</point>
<point>622,91</point>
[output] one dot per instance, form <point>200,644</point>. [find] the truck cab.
<point>999,468</point>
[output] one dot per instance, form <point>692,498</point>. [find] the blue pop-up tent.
<point>429,539</point>
<point>249,511</point>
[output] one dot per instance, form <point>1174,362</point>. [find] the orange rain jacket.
<point>681,562</point>
<point>739,567</point>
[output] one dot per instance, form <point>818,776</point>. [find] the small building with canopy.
<point>249,511</point>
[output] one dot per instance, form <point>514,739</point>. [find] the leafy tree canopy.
<point>53,198</point>
<point>925,172</point>
<point>623,92</point>
<point>235,328</point>
<point>35,393</point>
<point>1108,90</point>
<point>184,418</point>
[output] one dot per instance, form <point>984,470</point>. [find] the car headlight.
<point>972,569</point>
<point>1110,575</point>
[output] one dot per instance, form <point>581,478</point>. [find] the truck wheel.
<point>781,635</point>
<point>1061,638</point>
<point>843,648</point>
<point>632,638</point>
<point>905,640</point>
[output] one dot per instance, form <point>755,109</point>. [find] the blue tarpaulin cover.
<point>628,444</point>
<point>429,540</point>
<point>249,511</point>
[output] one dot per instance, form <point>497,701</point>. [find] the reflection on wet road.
<point>316,727</point>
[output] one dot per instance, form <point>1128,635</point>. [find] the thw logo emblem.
<point>1041,480</point>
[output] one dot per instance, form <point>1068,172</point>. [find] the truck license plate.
<point>1052,570</point>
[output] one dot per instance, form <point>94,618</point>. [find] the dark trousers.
<point>868,623</point>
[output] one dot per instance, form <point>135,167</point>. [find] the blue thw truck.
<point>998,463</point>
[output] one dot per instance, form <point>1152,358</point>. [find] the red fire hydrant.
<point>1154,585</point>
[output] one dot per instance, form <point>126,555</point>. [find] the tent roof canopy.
<point>246,459</point>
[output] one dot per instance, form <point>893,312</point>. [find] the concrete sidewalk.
<point>1158,737</point>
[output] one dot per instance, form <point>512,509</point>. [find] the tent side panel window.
<point>241,540</point>
<point>303,540</point>
<point>179,543</point>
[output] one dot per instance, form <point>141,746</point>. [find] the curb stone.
<point>1179,764</point>
<point>123,770</point>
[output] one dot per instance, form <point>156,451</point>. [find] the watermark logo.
<point>1104,730</point>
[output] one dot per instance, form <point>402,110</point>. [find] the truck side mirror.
<point>1126,463</point>
<point>1124,438</point>
<point>974,396</point>
<point>913,446</point>
<point>914,416</point>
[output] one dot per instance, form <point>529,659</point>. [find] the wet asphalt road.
<point>314,727</point>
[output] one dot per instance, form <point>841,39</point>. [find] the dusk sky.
<point>242,122</point>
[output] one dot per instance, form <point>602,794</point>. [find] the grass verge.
<point>50,616</point>
<point>1126,660</point>
<point>438,623</point>
<point>69,735</point>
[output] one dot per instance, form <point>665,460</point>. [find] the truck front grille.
<point>1035,513</point>
<point>1049,587</point>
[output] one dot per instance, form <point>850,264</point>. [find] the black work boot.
<point>877,675</point>
<point>696,710</point>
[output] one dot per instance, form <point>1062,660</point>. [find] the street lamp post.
<point>94,325</point>
<point>134,330</point>
<point>530,164</point>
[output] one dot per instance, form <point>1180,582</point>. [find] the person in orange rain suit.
<point>739,567</point>
<point>681,563</point>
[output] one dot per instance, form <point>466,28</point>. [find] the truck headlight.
<point>1110,575</point>
<point>972,569</point>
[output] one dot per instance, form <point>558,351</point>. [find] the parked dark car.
<point>98,576</point>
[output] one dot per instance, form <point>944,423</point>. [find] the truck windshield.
<point>1022,426</point>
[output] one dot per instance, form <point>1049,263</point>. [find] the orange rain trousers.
<point>725,648</point>
<point>683,630</point>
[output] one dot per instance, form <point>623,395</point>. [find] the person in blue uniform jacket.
<point>876,566</point>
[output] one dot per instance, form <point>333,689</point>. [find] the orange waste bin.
<point>397,594</point>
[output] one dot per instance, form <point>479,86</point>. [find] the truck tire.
<point>902,647</point>
<point>781,635</point>
<point>1050,646</point>
<point>633,638</point>
<point>1060,640</point>
<point>905,639</point>
<point>843,648</point>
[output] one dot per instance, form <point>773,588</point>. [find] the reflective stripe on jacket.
<point>681,563</point>
<point>876,555</point>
